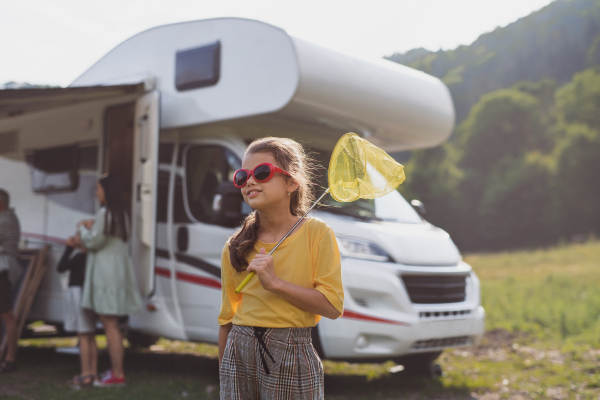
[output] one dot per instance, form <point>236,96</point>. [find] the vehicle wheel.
<point>436,370</point>
<point>421,364</point>
<point>141,340</point>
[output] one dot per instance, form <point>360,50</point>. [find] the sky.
<point>54,41</point>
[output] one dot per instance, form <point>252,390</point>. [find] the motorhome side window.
<point>210,194</point>
<point>64,169</point>
<point>198,67</point>
<point>55,169</point>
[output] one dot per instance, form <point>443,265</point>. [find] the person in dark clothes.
<point>78,319</point>
<point>10,232</point>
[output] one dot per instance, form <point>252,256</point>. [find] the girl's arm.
<point>223,333</point>
<point>308,299</point>
<point>94,238</point>
<point>230,301</point>
<point>65,264</point>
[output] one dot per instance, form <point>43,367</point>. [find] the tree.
<point>577,168</point>
<point>516,203</point>
<point>579,100</point>
<point>499,209</point>
<point>503,123</point>
<point>433,177</point>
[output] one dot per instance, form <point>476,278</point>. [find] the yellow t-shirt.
<point>309,258</point>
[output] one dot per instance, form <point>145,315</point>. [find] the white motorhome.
<point>171,111</point>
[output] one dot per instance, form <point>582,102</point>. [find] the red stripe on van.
<point>162,272</point>
<point>44,238</point>
<point>363,317</point>
<point>190,278</point>
<point>200,280</point>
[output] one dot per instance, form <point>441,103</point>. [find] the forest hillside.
<point>523,166</point>
<point>555,42</point>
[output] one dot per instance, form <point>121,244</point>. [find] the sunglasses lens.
<point>262,172</point>
<point>240,178</point>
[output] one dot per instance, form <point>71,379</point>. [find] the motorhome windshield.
<point>391,207</point>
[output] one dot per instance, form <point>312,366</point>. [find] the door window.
<point>211,196</point>
<point>162,199</point>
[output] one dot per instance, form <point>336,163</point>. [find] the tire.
<point>141,340</point>
<point>421,364</point>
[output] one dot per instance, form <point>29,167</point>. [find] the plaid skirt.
<point>270,364</point>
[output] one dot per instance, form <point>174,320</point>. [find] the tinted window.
<point>88,158</point>
<point>162,200</point>
<point>204,172</point>
<point>165,153</point>
<point>198,67</point>
<point>55,169</point>
<point>57,159</point>
<point>211,196</point>
<point>162,196</point>
<point>179,214</point>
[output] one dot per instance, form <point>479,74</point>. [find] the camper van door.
<point>145,162</point>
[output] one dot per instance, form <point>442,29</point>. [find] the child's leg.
<point>93,354</point>
<point>115,343</point>
<point>84,354</point>
<point>10,324</point>
<point>88,354</point>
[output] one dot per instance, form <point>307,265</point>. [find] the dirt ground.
<point>162,374</point>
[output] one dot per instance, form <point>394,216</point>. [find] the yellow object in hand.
<point>360,170</point>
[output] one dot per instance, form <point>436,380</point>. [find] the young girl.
<point>265,348</point>
<point>110,288</point>
<point>78,319</point>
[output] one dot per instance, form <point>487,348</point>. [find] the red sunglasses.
<point>262,173</point>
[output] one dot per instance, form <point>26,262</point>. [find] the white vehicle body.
<point>407,289</point>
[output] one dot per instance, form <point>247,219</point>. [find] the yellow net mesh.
<point>358,169</point>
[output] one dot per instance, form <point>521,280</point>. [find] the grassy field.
<point>543,342</point>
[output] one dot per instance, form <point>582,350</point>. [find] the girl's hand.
<point>265,269</point>
<point>71,241</point>
<point>88,223</point>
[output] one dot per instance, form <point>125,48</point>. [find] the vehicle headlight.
<point>360,248</point>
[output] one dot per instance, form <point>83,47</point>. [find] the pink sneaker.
<point>109,380</point>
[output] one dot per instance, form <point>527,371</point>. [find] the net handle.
<point>251,274</point>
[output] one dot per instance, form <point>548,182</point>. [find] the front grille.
<point>435,289</point>
<point>444,342</point>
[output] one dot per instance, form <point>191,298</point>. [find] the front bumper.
<point>380,322</point>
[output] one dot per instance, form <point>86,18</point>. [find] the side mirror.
<point>419,207</point>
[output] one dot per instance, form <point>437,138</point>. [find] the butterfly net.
<point>358,169</point>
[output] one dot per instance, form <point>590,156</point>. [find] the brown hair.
<point>292,157</point>
<point>115,219</point>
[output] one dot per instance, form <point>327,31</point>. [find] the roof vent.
<point>8,142</point>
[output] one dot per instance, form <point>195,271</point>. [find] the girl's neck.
<point>274,221</point>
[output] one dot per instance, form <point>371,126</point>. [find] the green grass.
<point>552,294</point>
<point>543,341</point>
